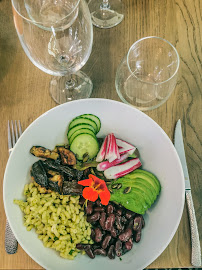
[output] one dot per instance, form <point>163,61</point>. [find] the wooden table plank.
<point>24,95</point>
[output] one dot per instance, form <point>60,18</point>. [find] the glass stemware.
<point>106,13</point>
<point>147,75</point>
<point>57,37</point>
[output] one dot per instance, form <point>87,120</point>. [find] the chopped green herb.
<point>71,251</point>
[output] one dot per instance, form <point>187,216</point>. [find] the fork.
<point>14,132</point>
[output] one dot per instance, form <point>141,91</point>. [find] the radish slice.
<point>107,155</point>
<point>125,146</point>
<point>106,164</point>
<point>101,154</point>
<point>112,149</point>
<point>129,151</point>
<point>122,169</point>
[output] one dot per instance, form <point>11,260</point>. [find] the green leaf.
<point>85,165</point>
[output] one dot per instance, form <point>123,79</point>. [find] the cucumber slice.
<point>84,143</point>
<point>79,120</point>
<point>79,126</point>
<point>80,131</point>
<point>94,118</point>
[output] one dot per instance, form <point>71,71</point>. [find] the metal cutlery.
<point>14,132</point>
<point>196,249</point>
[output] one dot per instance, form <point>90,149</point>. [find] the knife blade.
<point>179,146</point>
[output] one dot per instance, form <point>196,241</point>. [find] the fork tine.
<point>19,127</point>
<point>12,134</point>
<point>16,131</point>
<point>9,137</point>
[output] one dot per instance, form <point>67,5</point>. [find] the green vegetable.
<point>71,251</point>
<point>84,143</point>
<point>143,187</point>
<point>80,131</point>
<point>94,118</point>
<point>79,120</point>
<point>82,138</point>
<point>79,126</point>
<point>85,165</point>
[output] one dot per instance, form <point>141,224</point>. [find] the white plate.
<point>157,154</point>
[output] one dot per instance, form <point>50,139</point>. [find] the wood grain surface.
<point>24,95</point>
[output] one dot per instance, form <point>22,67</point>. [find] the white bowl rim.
<point>144,115</point>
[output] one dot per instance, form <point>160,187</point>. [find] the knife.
<point>196,249</point>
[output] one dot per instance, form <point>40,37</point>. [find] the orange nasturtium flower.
<point>96,186</point>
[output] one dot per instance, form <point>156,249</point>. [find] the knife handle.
<point>196,249</point>
<point>11,244</point>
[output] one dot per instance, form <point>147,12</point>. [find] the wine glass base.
<point>71,87</point>
<point>106,17</point>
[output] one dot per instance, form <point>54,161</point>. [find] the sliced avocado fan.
<point>139,190</point>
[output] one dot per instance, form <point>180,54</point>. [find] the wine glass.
<point>147,75</point>
<point>57,37</point>
<point>106,14</point>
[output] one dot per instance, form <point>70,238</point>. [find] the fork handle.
<point>11,244</point>
<point>196,249</point>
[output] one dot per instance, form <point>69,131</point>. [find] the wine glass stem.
<point>105,4</point>
<point>69,85</point>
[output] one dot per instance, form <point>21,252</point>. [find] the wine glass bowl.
<point>49,13</point>
<point>57,37</point>
<point>147,75</point>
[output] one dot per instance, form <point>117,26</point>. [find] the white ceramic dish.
<point>158,155</point>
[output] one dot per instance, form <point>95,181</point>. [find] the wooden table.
<point>24,95</point>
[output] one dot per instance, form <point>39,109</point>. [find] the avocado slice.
<point>140,187</point>
<point>146,177</point>
<point>138,182</point>
<point>144,190</point>
<point>143,201</point>
<point>134,203</point>
<point>137,191</point>
<point>147,187</point>
<point>152,176</point>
